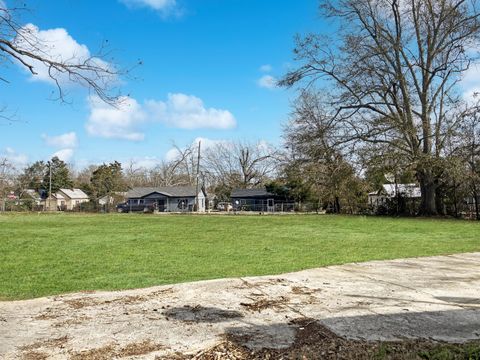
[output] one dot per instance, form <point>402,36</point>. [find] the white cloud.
<point>119,122</point>
<point>471,83</point>
<point>179,111</point>
<point>56,45</point>
<point>173,153</point>
<point>209,143</point>
<point>264,146</point>
<point>266,68</point>
<point>267,82</point>
<point>16,159</point>
<point>67,140</point>
<point>189,112</point>
<point>64,154</point>
<point>165,7</point>
<point>147,162</point>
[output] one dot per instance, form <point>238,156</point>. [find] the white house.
<point>391,191</point>
<point>70,198</point>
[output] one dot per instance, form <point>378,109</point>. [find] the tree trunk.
<point>337,205</point>
<point>428,204</point>
<point>440,205</point>
<point>455,200</point>
<point>477,205</point>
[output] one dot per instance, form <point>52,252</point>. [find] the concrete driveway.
<point>434,298</point>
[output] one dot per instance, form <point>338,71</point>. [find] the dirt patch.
<point>81,303</point>
<point>73,321</point>
<point>142,348</point>
<point>261,283</point>
<point>199,313</point>
<point>263,304</point>
<point>111,351</point>
<point>162,292</point>
<point>315,341</point>
<point>126,300</point>
<point>34,355</point>
<point>104,353</point>
<point>46,316</point>
<point>57,343</point>
<point>303,290</point>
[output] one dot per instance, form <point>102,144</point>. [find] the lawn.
<point>45,254</point>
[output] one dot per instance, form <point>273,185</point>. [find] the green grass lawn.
<point>45,254</point>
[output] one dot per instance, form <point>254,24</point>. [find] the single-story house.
<point>260,200</point>
<point>168,198</point>
<point>391,191</point>
<point>33,195</point>
<point>54,202</point>
<point>112,199</point>
<point>65,199</point>
<point>73,197</point>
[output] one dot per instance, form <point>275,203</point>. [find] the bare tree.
<point>470,150</point>
<point>178,171</point>
<point>240,164</point>
<point>393,69</point>
<point>6,179</point>
<point>21,45</point>
<point>317,151</point>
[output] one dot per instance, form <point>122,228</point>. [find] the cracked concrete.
<point>430,298</point>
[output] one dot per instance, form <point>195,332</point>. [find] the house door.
<point>161,205</point>
<point>270,205</point>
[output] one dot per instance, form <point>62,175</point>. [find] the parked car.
<point>136,206</point>
<point>224,206</point>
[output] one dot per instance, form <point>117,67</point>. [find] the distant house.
<point>259,200</point>
<point>112,199</point>
<point>390,191</point>
<point>167,199</point>
<point>54,202</point>
<point>33,195</point>
<point>71,198</point>
<point>64,199</point>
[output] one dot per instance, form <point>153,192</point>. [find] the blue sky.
<point>203,64</point>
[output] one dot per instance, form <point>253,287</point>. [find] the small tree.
<point>56,170</point>
<point>106,180</point>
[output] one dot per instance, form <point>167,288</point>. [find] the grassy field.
<point>45,254</point>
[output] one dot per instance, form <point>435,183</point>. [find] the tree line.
<point>310,168</point>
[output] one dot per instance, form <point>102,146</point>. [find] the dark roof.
<point>170,191</point>
<point>246,193</point>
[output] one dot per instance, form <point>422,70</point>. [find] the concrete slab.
<point>430,298</point>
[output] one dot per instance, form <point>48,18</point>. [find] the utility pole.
<point>198,176</point>
<point>50,186</point>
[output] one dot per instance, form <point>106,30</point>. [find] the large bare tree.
<point>393,69</point>
<point>240,164</point>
